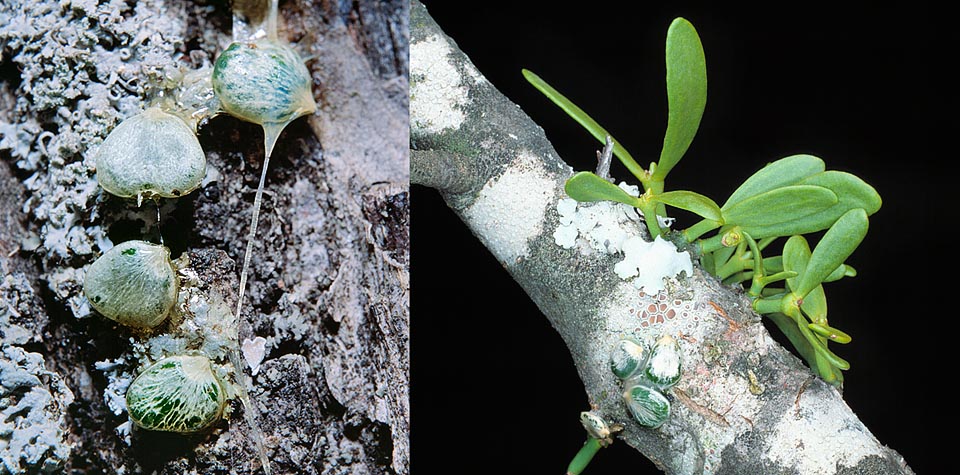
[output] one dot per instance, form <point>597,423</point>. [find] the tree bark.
<point>329,282</point>
<point>744,405</point>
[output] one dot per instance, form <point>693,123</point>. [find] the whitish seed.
<point>664,368</point>
<point>176,394</point>
<point>151,155</point>
<point>627,358</point>
<point>134,283</point>
<point>595,426</point>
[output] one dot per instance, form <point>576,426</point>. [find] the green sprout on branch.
<point>789,198</point>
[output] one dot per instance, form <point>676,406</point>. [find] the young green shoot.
<point>789,198</point>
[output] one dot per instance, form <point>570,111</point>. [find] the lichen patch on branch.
<point>438,96</point>
<point>808,440</point>
<point>509,211</point>
<point>614,228</point>
<point>603,226</point>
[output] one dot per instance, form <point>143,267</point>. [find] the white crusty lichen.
<point>646,264</point>
<point>604,226</point>
<point>33,414</point>
<point>614,228</point>
<point>438,92</point>
<point>807,438</point>
<point>510,210</point>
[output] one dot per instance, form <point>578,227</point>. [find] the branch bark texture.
<point>329,279</point>
<point>744,405</point>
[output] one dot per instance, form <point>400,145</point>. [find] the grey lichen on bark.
<point>744,405</point>
<point>329,283</point>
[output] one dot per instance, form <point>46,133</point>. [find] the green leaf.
<point>852,193</point>
<point>584,120</point>
<point>835,247</point>
<point>773,264</point>
<point>783,172</point>
<point>841,272</point>
<point>723,255</point>
<point>777,206</point>
<point>690,201</point>
<point>821,347</point>
<point>708,263</point>
<point>815,305</point>
<point>586,186</point>
<point>827,371</point>
<point>830,333</point>
<point>777,277</point>
<point>686,93</point>
<point>796,254</point>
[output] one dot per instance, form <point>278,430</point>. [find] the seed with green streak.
<point>649,407</point>
<point>134,283</point>
<point>627,358</point>
<point>264,82</point>
<point>151,155</point>
<point>176,394</point>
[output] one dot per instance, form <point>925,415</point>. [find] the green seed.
<point>264,82</point>
<point>176,394</point>
<point>649,407</point>
<point>151,155</point>
<point>134,283</point>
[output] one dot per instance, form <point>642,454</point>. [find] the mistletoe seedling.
<point>789,198</point>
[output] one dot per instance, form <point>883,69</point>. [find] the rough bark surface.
<point>745,405</point>
<point>329,282</point>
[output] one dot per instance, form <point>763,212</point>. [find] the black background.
<point>493,387</point>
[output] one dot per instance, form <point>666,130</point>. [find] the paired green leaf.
<point>840,272</point>
<point>773,264</point>
<point>690,201</point>
<point>851,192</point>
<point>796,254</point>
<point>827,371</point>
<point>587,186</point>
<point>584,120</point>
<point>777,206</point>
<point>815,305</point>
<point>783,172</point>
<point>835,247</point>
<point>796,258</point>
<point>686,93</point>
<point>821,348</point>
<point>830,333</point>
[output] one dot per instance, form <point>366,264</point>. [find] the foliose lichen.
<point>33,402</point>
<point>83,66</point>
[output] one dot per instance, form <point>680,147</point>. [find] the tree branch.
<point>744,404</point>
